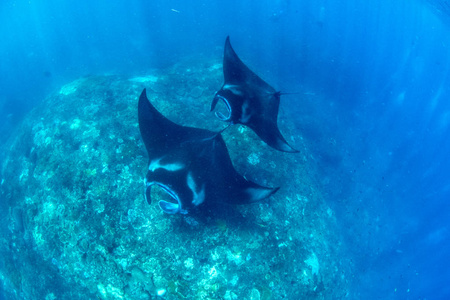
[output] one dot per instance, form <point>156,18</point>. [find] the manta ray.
<point>192,165</point>
<point>249,100</point>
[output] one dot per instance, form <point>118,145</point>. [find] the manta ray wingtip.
<point>259,193</point>
<point>285,147</point>
<point>143,94</point>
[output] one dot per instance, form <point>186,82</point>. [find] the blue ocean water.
<point>379,69</point>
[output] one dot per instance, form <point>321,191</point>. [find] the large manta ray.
<point>192,165</point>
<point>249,100</point>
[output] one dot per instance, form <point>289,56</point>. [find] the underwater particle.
<point>253,159</point>
<point>161,292</point>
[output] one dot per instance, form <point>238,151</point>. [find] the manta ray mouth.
<point>172,206</point>
<point>219,114</point>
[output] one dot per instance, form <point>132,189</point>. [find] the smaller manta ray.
<point>192,165</point>
<point>249,100</point>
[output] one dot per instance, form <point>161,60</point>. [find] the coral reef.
<point>77,224</point>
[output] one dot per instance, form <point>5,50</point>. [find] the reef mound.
<point>76,224</point>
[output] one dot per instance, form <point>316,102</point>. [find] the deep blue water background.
<point>379,126</point>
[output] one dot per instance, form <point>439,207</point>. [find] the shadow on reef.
<point>74,211</point>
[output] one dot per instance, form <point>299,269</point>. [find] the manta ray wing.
<point>236,72</point>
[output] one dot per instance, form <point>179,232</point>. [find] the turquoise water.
<point>371,120</point>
